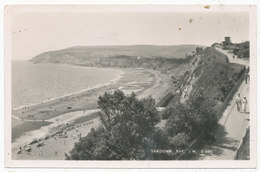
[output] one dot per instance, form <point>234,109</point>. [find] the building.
<point>227,44</point>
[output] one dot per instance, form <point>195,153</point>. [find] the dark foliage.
<point>195,118</point>
<point>128,133</point>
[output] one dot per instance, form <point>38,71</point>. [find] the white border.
<point>144,164</point>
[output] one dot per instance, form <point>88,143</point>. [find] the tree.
<point>108,103</point>
<point>178,121</point>
<point>202,112</point>
<point>197,117</point>
<point>180,141</point>
<point>128,133</point>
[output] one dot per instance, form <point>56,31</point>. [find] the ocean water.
<point>34,83</point>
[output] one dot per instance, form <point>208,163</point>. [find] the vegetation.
<point>196,117</point>
<point>242,50</point>
<point>129,126</point>
<point>217,80</point>
<point>129,130</point>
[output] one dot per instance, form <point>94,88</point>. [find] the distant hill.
<point>81,54</point>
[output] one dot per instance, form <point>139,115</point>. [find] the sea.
<point>36,83</point>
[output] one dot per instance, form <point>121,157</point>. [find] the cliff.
<point>209,73</point>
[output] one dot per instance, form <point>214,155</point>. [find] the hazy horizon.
<point>40,29</point>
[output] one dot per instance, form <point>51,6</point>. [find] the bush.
<point>167,113</point>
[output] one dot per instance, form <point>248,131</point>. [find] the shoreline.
<point>54,138</point>
<point>61,99</point>
<point>143,82</point>
<point>45,130</point>
<point>118,77</point>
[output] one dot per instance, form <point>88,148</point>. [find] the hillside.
<point>208,73</point>
<point>91,55</point>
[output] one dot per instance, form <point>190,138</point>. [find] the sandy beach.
<point>75,112</point>
<point>53,146</point>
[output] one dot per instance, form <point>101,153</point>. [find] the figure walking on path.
<point>238,102</point>
<point>244,103</point>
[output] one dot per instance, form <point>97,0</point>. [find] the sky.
<point>36,31</point>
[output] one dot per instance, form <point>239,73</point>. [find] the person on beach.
<point>238,102</point>
<point>244,103</point>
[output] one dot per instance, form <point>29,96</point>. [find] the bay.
<point>35,83</point>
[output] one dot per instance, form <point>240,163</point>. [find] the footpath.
<point>232,125</point>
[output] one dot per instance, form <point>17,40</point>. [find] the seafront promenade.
<point>232,125</point>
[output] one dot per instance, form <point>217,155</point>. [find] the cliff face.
<point>208,72</point>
